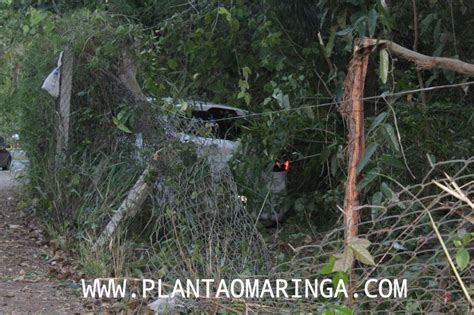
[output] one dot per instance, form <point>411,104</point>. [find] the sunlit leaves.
<point>462,258</point>
<point>122,119</point>
<point>356,249</point>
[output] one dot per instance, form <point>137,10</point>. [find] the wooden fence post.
<point>64,105</point>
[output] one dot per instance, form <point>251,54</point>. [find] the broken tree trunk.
<point>128,77</point>
<point>352,110</point>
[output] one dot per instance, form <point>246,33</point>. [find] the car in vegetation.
<point>220,145</point>
<point>5,156</point>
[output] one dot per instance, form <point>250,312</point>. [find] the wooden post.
<point>64,105</point>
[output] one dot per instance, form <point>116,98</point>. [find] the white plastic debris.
<point>52,81</point>
<point>164,305</point>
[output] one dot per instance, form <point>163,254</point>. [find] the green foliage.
<point>73,189</point>
<point>462,254</point>
<point>285,61</point>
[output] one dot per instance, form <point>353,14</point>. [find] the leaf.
<point>342,310</point>
<point>235,25</point>
<point>327,269</point>
<point>247,98</point>
<point>224,11</point>
<point>360,242</point>
<point>376,122</point>
<point>120,125</point>
<point>184,106</point>
<point>369,151</point>
<point>172,64</point>
<point>462,258</point>
<point>282,99</point>
<point>36,16</point>
<point>345,261</point>
<point>246,72</point>
<point>390,160</point>
<point>466,239</point>
<point>372,20</point>
<point>368,178</point>
<point>286,101</point>
<point>243,85</point>
<point>345,31</point>
<point>330,44</point>
<point>426,22</point>
<point>339,276</point>
<point>377,199</point>
<point>359,246</point>
<point>388,193</point>
<point>383,65</point>
<point>391,137</point>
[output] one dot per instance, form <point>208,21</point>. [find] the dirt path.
<point>29,281</point>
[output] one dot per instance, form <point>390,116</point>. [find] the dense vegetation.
<point>284,60</point>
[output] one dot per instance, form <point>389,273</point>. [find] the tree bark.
<point>352,110</point>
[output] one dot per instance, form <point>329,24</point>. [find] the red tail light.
<point>281,167</point>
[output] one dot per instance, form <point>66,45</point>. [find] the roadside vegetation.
<point>284,61</point>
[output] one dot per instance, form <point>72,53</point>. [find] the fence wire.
<point>405,246</point>
<point>201,229</point>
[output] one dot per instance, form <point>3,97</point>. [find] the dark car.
<point>5,156</point>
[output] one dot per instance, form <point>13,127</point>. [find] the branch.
<point>423,61</point>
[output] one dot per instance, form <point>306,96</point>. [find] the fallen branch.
<point>131,205</point>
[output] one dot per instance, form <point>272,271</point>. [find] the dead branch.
<point>129,207</point>
<point>422,61</point>
<point>132,203</point>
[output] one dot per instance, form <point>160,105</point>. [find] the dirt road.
<point>28,269</point>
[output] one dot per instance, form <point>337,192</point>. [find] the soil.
<point>35,277</point>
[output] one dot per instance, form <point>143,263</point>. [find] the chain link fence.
<point>200,229</point>
<point>404,245</point>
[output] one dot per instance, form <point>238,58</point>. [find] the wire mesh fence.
<point>199,228</point>
<point>405,246</point>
